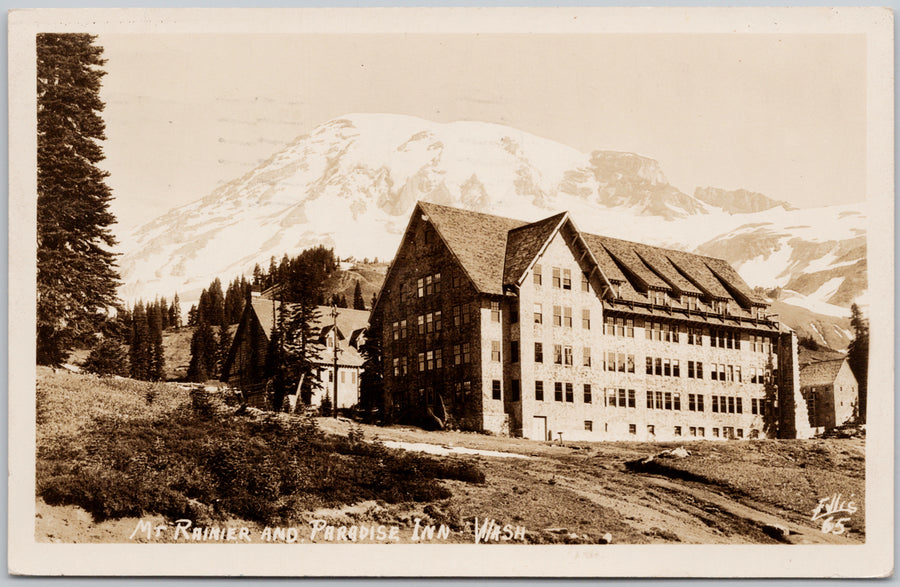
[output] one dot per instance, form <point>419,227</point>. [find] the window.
<point>620,326</point>
<point>438,360</point>
<point>557,315</point>
<point>754,406</point>
<point>466,354</point>
<point>609,326</point>
<point>538,352</point>
<point>404,295</point>
<point>632,429</point>
<point>668,397</point>
<point>420,288</point>
<point>396,367</point>
<point>678,431</point>
<point>586,319</point>
<point>739,407</point>
<point>495,311</point>
<point>421,362</point>
<point>495,389</point>
<point>715,403</point>
<point>649,365</point>
<point>557,354</point>
<point>629,365</point>
<point>557,282</point>
<point>632,400</point>
<point>495,351</point>
<point>740,432</point>
<point>456,280</point>
<point>567,356</point>
<point>611,397</point>
<point>699,403</point>
<point>429,360</point>
<point>676,401</point>
<point>667,367</point>
<point>403,329</point>
<point>699,370</point>
<point>620,362</point>
<point>692,402</point>
<point>537,275</point>
<point>701,431</point>
<point>651,429</point>
<point>421,326</point>
<point>586,360</point>
<point>650,404</point>
<point>538,314</point>
<point>457,354</point>
<point>437,283</point>
<point>622,400</point>
<point>694,335</point>
<point>567,279</point>
<point>585,282</point>
<point>714,375</point>
<point>690,369</point>
<point>588,425</point>
<point>395,330</point>
<point>567,317</point>
<point>587,393</point>
<point>730,405</point>
<point>629,328</point>
<point>404,366</point>
<point>721,372</point>
<point>539,391</point>
<point>514,351</point>
<point>657,363</point>
<point>715,432</point>
<point>570,393</point>
<point>729,373</point>
<point>557,391</point>
<point>737,374</point>
<point>692,430</point>
<point>676,368</point>
<point>514,390</point>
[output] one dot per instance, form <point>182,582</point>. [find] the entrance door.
<point>539,428</point>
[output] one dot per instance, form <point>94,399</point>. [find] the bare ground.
<point>725,492</point>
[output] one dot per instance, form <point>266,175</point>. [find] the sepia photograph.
<point>553,283</point>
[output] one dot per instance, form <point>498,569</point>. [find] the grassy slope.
<point>126,448</point>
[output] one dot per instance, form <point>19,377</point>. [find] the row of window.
<point>694,431</point>
<point>562,316</point>
<point>561,278</point>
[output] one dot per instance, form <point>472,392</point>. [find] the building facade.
<point>336,336</point>
<point>542,331</point>
<point>831,392</point>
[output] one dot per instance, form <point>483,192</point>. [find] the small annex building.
<point>831,393</point>
<point>244,368</point>
<point>543,331</point>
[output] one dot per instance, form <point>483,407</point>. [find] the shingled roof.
<point>820,372</point>
<point>495,251</point>
<point>348,322</point>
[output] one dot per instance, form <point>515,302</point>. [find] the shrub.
<point>194,462</point>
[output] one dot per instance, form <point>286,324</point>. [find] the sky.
<point>784,115</point>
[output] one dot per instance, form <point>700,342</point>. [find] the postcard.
<point>451,292</point>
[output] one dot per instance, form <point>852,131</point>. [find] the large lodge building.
<point>543,331</point>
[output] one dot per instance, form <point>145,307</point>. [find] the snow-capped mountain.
<point>352,182</point>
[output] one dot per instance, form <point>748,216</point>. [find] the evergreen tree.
<point>358,302</point>
<point>858,357</point>
<point>76,272</point>
<point>223,349</point>
<point>216,303</point>
<point>192,316</point>
<point>157,363</point>
<point>164,312</point>
<point>203,354</point>
<point>371,380</point>
<point>294,347</point>
<point>139,353</point>
<point>175,313</point>
<point>108,357</point>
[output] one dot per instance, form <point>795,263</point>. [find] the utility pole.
<point>334,315</point>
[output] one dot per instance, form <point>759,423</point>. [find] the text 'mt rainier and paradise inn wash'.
<point>539,330</point>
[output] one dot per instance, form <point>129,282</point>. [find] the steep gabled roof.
<point>821,372</point>
<point>524,243</point>
<point>478,241</point>
<point>495,251</point>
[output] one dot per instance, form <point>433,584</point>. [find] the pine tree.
<point>175,313</point>
<point>358,302</point>
<point>223,348</point>
<point>858,357</point>
<point>371,381</point>
<point>108,357</point>
<point>192,315</point>
<point>157,360</point>
<point>139,353</point>
<point>164,312</point>
<point>203,354</point>
<point>216,303</point>
<point>76,271</point>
